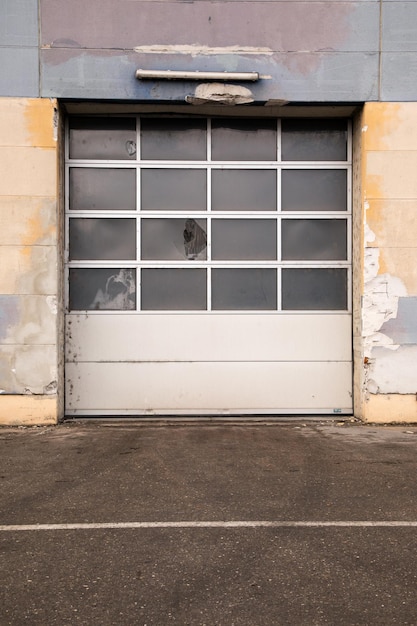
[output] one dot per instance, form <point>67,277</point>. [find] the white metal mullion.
<point>315,165</point>
<point>138,216</point>
<point>208,234</point>
<point>279,215</point>
<point>208,278</point>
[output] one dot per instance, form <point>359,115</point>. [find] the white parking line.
<point>212,524</point>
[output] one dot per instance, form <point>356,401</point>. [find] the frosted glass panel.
<point>314,289</point>
<point>244,289</point>
<point>314,240</point>
<point>174,190</point>
<point>102,289</point>
<point>244,140</point>
<point>174,239</point>
<point>102,238</point>
<point>244,190</point>
<point>244,240</point>
<point>173,139</point>
<point>102,138</point>
<point>102,189</point>
<point>174,290</point>
<point>314,190</point>
<point>314,140</point>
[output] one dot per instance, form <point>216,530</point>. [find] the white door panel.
<point>182,337</point>
<point>225,388</point>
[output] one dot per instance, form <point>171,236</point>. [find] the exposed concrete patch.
<point>403,328</point>
<point>220,93</point>
<point>9,307</point>
<point>380,304</point>
<point>196,50</point>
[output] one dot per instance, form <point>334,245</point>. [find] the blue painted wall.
<point>19,48</point>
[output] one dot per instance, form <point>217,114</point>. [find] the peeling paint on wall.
<point>393,372</point>
<point>389,302</point>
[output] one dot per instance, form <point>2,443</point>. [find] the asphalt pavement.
<point>208,523</point>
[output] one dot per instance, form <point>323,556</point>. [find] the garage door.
<point>208,266</point>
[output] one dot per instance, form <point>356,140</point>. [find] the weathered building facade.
<point>208,243</point>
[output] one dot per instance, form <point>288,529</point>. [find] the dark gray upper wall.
<point>19,48</point>
<point>399,51</point>
<point>308,50</point>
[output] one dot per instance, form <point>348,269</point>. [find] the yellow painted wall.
<point>386,363</point>
<point>28,261</point>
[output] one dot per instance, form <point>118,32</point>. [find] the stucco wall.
<point>321,51</point>
<point>305,51</point>
<point>28,261</point>
<point>389,274</point>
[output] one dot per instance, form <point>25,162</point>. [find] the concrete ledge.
<point>28,410</point>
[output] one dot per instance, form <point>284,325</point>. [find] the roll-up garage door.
<point>208,266</point>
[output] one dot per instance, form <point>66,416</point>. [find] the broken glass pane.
<point>244,190</point>
<point>102,138</point>
<point>314,289</point>
<point>244,140</point>
<point>174,190</point>
<point>174,239</point>
<point>173,139</point>
<point>244,240</point>
<point>102,189</point>
<point>314,190</point>
<point>244,289</point>
<point>102,289</point>
<point>314,140</point>
<point>314,240</point>
<point>174,290</point>
<point>102,239</point>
